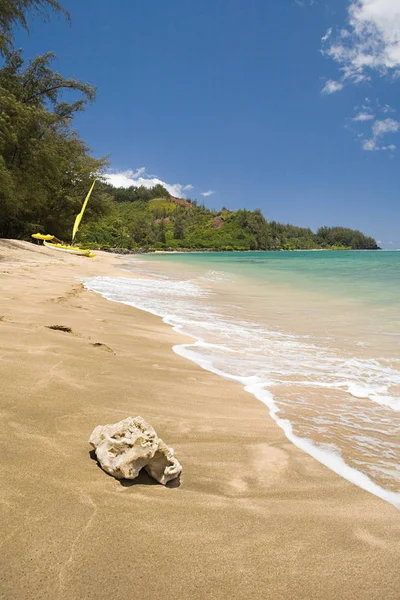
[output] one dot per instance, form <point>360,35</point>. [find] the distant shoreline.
<point>126,251</point>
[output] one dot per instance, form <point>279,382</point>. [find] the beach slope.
<point>254,517</point>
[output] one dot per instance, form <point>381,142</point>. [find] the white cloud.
<point>305,3</point>
<point>188,187</point>
<point>379,129</point>
<point>387,109</point>
<point>370,145</point>
<point>370,42</point>
<point>326,37</point>
<point>331,87</point>
<point>139,178</point>
<point>209,193</point>
<point>363,116</point>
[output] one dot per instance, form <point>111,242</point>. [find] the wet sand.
<point>254,517</point>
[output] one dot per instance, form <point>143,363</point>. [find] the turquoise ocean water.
<point>313,335</point>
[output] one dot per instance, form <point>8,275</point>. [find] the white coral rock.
<point>164,466</point>
<point>124,448</point>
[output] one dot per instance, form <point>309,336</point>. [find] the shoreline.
<point>213,251</point>
<point>254,515</point>
<point>127,252</point>
<point>258,390</point>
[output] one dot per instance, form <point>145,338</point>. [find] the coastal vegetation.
<point>141,218</point>
<point>152,219</point>
<point>46,170</point>
<point>45,167</point>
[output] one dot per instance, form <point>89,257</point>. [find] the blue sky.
<point>289,106</point>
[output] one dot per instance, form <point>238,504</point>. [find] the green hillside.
<point>139,218</point>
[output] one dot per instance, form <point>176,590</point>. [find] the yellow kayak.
<point>50,241</point>
<point>67,248</point>
<point>42,236</point>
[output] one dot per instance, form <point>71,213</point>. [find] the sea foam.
<point>261,360</point>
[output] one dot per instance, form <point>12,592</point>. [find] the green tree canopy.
<point>14,13</point>
<point>45,168</point>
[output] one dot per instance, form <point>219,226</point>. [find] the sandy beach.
<point>254,517</point>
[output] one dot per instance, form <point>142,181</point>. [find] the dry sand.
<point>254,516</point>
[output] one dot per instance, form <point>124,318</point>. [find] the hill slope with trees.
<point>141,218</point>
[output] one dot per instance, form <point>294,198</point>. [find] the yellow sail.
<point>79,217</point>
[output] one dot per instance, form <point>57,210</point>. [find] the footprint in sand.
<point>103,347</point>
<point>60,328</point>
<point>66,329</point>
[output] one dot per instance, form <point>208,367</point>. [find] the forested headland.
<point>143,218</point>
<point>46,170</point>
